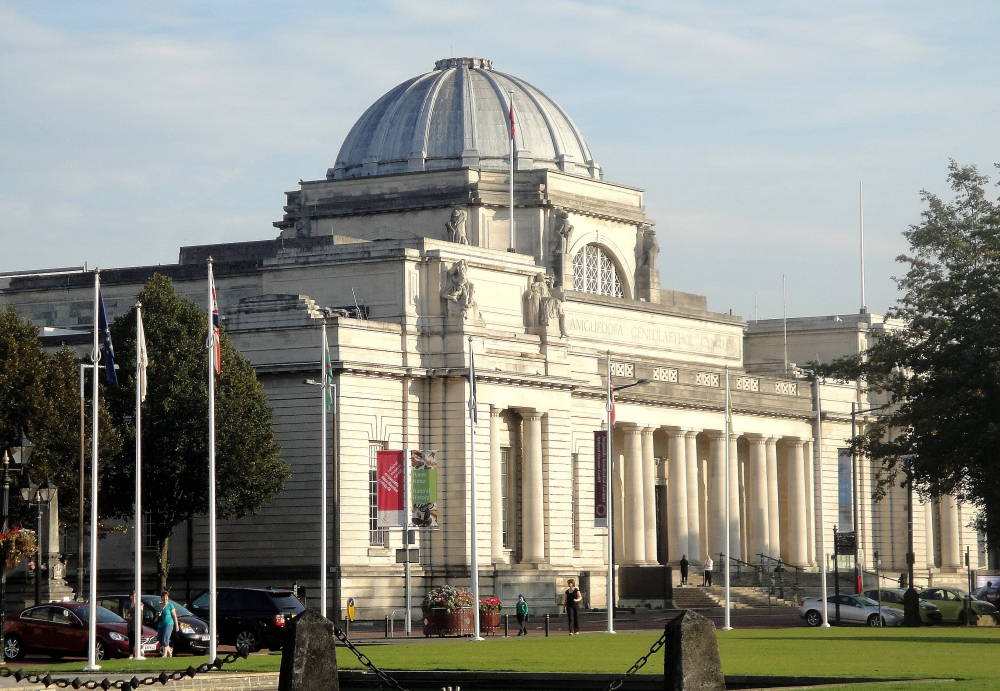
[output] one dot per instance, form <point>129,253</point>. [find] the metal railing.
<point>778,580</point>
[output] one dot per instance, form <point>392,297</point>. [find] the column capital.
<point>648,431</point>
<point>715,434</point>
<point>495,412</point>
<point>755,437</point>
<point>529,413</point>
<point>629,427</point>
<point>795,442</point>
<point>673,430</point>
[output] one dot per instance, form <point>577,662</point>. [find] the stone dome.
<point>456,117</point>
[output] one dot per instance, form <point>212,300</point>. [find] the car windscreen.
<point>154,604</point>
<point>866,600</point>
<point>104,616</point>
<point>286,602</point>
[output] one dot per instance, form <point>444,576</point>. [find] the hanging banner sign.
<point>424,467</point>
<point>601,479</point>
<point>391,492</point>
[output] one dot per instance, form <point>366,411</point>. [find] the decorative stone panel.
<point>747,384</point>
<point>786,388</point>
<point>668,374</point>
<point>707,379</point>
<point>622,369</point>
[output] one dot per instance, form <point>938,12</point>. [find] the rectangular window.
<point>505,479</point>
<point>575,502</point>
<point>377,537</point>
<point>148,539</point>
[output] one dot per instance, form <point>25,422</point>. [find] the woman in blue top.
<point>167,623</point>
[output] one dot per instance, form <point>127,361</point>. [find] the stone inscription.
<point>672,338</point>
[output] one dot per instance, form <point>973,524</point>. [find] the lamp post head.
<point>22,453</point>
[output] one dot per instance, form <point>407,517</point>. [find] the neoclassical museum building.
<point>405,249</point>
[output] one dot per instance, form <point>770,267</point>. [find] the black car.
<point>251,618</point>
<point>190,635</point>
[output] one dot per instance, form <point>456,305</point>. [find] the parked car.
<point>191,634</point>
<point>988,593</point>
<point>953,603</point>
<point>893,597</point>
<point>251,618</point>
<point>60,628</point>
<point>854,609</point>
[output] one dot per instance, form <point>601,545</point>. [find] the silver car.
<point>854,609</point>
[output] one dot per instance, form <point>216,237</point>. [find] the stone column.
<point>773,513</point>
<point>797,523</point>
<point>735,549</point>
<point>532,493</point>
<point>951,550</point>
<point>649,495</point>
<point>694,512</point>
<point>677,509</point>
<point>810,505</point>
<point>716,492</point>
<point>633,519</point>
<point>926,510</point>
<point>757,511</point>
<point>496,489</point>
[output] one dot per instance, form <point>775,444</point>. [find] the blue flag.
<point>107,348</point>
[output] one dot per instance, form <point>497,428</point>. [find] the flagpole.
<point>213,620</point>
<point>140,339</point>
<point>510,125</point>
<point>95,357</point>
<point>611,512</point>
<point>861,241</point>
<point>475,526</point>
<point>324,390</point>
<point>728,424</point>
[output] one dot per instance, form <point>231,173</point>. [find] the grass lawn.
<point>969,655</point>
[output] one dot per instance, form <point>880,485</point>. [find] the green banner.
<point>424,467</point>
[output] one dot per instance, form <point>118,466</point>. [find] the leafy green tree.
<point>941,373</point>
<point>39,395</point>
<point>175,423</point>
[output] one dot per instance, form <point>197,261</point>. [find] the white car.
<point>854,609</point>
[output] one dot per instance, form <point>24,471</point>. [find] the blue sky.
<point>129,129</point>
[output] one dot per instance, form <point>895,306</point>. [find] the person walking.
<point>166,625</point>
<point>709,565</point>
<point>522,616</point>
<point>684,569</point>
<point>571,600</point>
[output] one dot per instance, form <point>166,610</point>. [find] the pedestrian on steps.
<point>684,569</point>
<point>709,565</point>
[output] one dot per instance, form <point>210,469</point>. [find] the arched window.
<point>595,272</point>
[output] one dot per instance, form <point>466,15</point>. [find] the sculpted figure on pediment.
<point>458,292</point>
<point>562,232</point>
<point>456,226</point>
<point>543,304</point>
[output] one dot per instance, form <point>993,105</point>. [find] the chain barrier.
<point>48,680</point>
<point>366,661</point>
<point>638,664</point>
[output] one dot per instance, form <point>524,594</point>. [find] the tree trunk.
<point>163,564</point>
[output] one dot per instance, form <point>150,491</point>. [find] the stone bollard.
<point>691,654</point>
<point>309,658</point>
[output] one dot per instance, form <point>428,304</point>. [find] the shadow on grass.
<point>894,639</point>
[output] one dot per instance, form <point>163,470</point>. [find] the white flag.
<point>141,356</point>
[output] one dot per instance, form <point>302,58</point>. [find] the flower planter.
<point>489,622</point>
<point>441,622</point>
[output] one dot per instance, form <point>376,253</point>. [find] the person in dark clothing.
<point>684,569</point>
<point>522,616</point>
<point>571,600</point>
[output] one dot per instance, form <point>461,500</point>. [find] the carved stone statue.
<point>562,233</point>
<point>543,303</point>
<point>650,250</point>
<point>456,226</point>
<point>553,306</point>
<point>302,227</point>
<point>458,291</point>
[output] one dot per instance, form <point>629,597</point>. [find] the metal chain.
<point>638,664</point>
<point>48,680</point>
<point>366,661</point>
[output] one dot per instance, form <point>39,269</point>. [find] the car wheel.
<point>813,618</point>
<point>13,649</point>
<point>99,651</point>
<point>875,621</point>
<point>246,641</point>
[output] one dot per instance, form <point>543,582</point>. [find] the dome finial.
<point>471,63</point>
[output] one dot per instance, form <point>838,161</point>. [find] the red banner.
<point>391,491</point>
<point>600,479</point>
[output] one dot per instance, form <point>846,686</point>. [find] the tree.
<point>40,398</point>
<point>941,373</point>
<point>175,423</point>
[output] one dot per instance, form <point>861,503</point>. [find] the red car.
<point>60,628</point>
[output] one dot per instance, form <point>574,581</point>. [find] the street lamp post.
<point>16,456</point>
<point>612,390</point>
<point>328,393</point>
<point>40,496</point>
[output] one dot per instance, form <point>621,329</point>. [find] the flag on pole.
<point>141,356</point>
<point>473,405</point>
<point>107,348</point>
<point>215,336</point>
<point>327,373</point>
<point>510,117</point>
